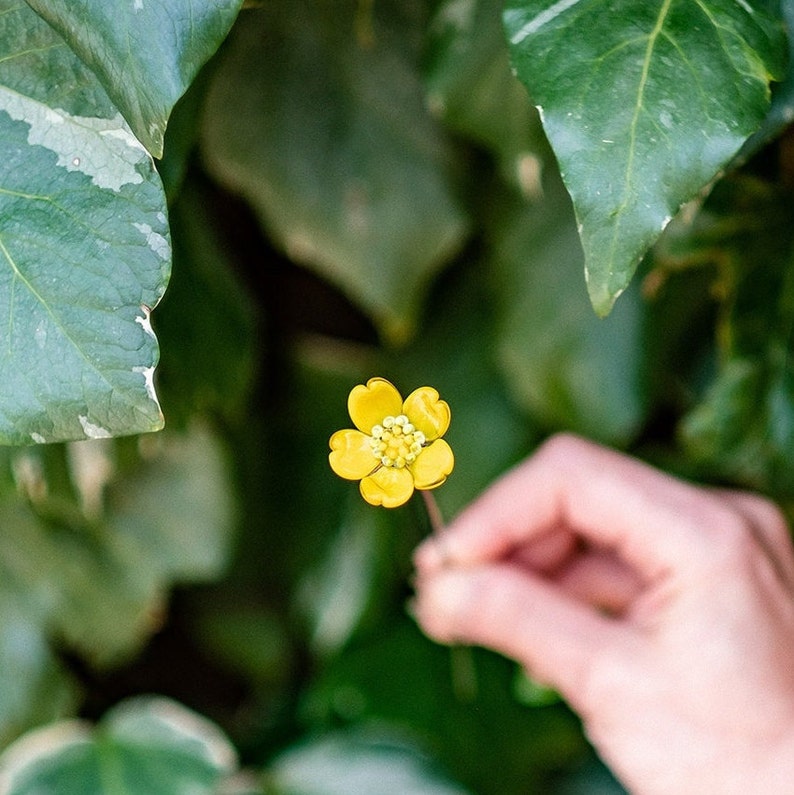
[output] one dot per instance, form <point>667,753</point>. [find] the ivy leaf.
<point>144,52</point>
<point>84,248</point>
<point>323,128</point>
<point>148,745</point>
<point>643,104</point>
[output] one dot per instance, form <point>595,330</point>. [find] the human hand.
<point>662,612</point>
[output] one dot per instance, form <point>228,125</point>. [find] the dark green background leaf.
<point>570,369</point>
<point>324,130</point>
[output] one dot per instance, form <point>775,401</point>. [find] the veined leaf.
<point>643,103</point>
<point>144,52</point>
<point>84,248</point>
<point>144,745</point>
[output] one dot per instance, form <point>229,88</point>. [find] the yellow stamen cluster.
<point>396,442</point>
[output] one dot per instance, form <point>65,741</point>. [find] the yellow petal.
<point>369,404</point>
<point>427,413</point>
<point>433,465</point>
<point>351,455</point>
<point>388,487</point>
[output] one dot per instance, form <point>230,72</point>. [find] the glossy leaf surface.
<point>145,53</point>
<point>643,103</point>
<point>84,249</point>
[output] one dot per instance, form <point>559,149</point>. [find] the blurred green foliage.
<point>360,188</point>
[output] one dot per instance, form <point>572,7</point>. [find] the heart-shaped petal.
<point>389,487</point>
<point>351,455</point>
<point>369,404</point>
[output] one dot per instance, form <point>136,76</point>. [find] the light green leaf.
<point>84,249</point>
<point>643,103</point>
<point>325,131</point>
<point>145,53</point>
<point>143,746</point>
<point>344,763</point>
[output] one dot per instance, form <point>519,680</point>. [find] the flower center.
<point>396,442</point>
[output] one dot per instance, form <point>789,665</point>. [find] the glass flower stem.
<point>461,659</point>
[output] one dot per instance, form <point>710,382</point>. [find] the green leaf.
<point>96,573</point>
<point>143,746</point>
<point>570,369</point>
<point>470,86</point>
<point>207,320</point>
<point>643,104</point>
<point>145,53</point>
<point>84,249</point>
<point>342,763</point>
<point>326,133</point>
<point>33,688</point>
<point>743,428</point>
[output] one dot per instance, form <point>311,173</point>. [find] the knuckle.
<point>733,544</point>
<point>562,447</point>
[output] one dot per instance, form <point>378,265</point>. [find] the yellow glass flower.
<point>397,446</point>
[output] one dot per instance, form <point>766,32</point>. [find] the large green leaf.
<point>643,102</point>
<point>144,53</point>
<point>143,746</point>
<point>84,248</point>
<point>327,135</point>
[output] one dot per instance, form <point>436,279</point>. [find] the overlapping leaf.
<point>744,427</point>
<point>323,128</point>
<point>84,248</point>
<point>643,102</point>
<point>470,86</point>
<point>96,574</point>
<point>144,52</point>
<point>144,745</point>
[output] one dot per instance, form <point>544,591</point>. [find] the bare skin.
<point>662,611</point>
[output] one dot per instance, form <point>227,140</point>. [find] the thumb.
<point>513,612</point>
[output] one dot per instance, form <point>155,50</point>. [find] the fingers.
<point>602,581</point>
<point>651,520</point>
<point>519,615</point>
<point>769,526</point>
